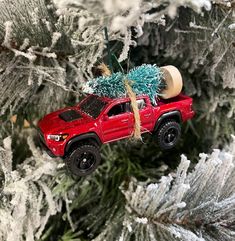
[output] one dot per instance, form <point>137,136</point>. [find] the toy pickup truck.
<point>76,133</point>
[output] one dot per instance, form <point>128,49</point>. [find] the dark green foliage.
<point>97,198</point>
<point>203,51</point>
<point>35,22</point>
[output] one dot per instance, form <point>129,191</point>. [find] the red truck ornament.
<point>77,133</point>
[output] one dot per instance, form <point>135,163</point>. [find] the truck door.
<point>146,114</point>
<point>115,124</point>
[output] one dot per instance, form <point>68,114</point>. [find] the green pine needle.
<point>145,80</point>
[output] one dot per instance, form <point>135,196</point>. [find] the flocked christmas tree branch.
<point>56,48</point>
<point>196,205</point>
<point>27,201</point>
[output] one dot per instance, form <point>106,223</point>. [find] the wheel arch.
<point>171,115</point>
<point>90,137</point>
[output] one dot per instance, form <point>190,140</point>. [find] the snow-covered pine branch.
<point>197,205</point>
<point>204,52</point>
<point>55,48</point>
<point>26,200</point>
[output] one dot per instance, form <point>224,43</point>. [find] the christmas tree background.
<point>48,51</point>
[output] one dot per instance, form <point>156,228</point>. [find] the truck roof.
<point>159,101</point>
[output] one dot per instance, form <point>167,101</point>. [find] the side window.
<point>118,109</point>
<point>141,104</point>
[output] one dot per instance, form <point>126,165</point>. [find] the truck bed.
<point>181,103</point>
<point>178,98</point>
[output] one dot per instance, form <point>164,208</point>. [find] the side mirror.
<point>105,117</point>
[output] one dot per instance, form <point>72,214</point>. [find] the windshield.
<point>92,106</point>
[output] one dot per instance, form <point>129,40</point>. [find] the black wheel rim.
<point>170,136</point>
<point>85,161</point>
<point>2,180</point>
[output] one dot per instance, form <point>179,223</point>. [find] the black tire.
<point>83,160</point>
<point>168,134</point>
<point>2,180</point>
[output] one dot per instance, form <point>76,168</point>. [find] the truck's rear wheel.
<point>83,160</point>
<point>168,134</point>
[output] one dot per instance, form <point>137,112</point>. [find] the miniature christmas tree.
<point>144,80</point>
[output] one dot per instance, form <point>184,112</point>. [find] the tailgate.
<point>182,103</point>
<point>186,107</point>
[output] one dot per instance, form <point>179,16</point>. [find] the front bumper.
<point>53,149</point>
<point>47,150</point>
<point>43,144</point>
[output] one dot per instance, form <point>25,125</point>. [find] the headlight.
<point>61,137</point>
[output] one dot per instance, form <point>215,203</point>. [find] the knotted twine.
<point>136,133</point>
<point>137,125</point>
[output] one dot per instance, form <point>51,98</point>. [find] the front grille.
<point>43,143</point>
<point>41,136</point>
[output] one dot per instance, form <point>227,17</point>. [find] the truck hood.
<point>58,121</point>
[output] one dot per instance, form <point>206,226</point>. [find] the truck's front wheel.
<point>83,160</point>
<point>168,134</point>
